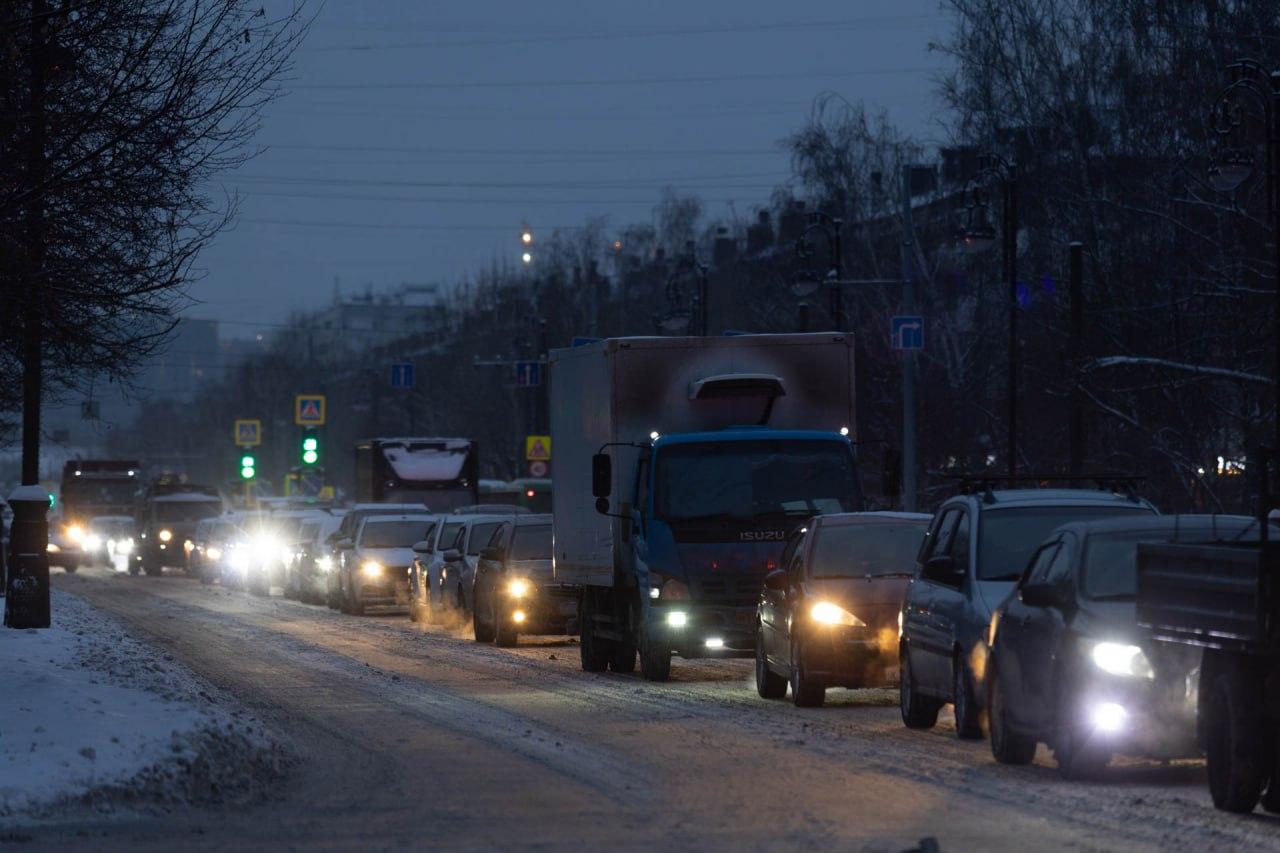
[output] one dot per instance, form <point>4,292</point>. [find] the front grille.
<point>737,592</point>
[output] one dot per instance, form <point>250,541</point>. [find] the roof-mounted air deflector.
<point>764,386</point>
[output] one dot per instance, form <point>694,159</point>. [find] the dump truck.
<point>683,464</point>
<point>442,473</point>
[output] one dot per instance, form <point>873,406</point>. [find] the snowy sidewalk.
<point>90,716</point>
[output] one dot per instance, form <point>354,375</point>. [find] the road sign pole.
<point>909,356</point>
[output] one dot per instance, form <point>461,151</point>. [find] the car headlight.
<point>1121,659</point>
<point>213,553</point>
<point>92,542</point>
<point>518,588</point>
<point>677,618</point>
<point>826,613</point>
<point>52,548</point>
<point>124,546</point>
<point>325,563</point>
<point>75,533</point>
<point>166,535</point>
<point>371,568</point>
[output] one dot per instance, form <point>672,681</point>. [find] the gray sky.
<point>415,138</point>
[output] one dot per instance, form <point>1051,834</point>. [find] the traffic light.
<point>526,245</point>
<point>310,450</point>
<point>248,467</point>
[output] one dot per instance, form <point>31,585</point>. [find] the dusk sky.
<point>415,138</point>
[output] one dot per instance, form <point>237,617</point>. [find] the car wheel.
<point>1008,746</point>
<point>918,712</point>
<point>505,633</point>
<point>484,633</point>
<point>133,567</point>
<point>805,691</point>
<point>1236,739</point>
<point>769,684</point>
<point>1077,755</point>
<point>967,711</point>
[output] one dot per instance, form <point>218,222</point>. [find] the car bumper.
<point>385,592</point>
<point>717,631</point>
<point>1139,718</point>
<point>849,657</point>
<point>546,609</point>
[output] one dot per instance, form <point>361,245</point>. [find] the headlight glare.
<point>324,563</point>
<point>213,553</point>
<point>677,618</point>
<point>518,588</point>
<point>165,535</point>
<point>1122,659</point>
<point>75,533</point>
<point>371,568</point>
<point>826,613</point>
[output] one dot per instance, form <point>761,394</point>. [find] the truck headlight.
<point>75,533</point>
<point>371,568</point>
<point>826,613</point>
<point>93,543</point>
<point>213,553</point>
<point>677,618</point>
<point>518,588</point>
<point>1121,659</point>
<point>324,563</point>
<point>165,535</point>
<point>124,546</point>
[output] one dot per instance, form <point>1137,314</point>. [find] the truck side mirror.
<point>601,476</point>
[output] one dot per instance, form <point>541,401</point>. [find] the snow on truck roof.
<point>427,462</point>
<point>186,497</point>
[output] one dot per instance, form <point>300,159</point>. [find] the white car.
<point>374,565</point>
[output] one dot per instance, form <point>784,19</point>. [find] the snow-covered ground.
<point>90,716</point>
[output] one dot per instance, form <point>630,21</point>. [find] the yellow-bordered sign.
<point>248,432</point>
<point>537,448</point>
<point>308,410</point>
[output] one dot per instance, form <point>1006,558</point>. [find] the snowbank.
<point>90,715</point>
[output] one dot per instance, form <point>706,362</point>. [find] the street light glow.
<point>527,257</point>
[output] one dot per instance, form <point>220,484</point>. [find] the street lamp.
<point>1233,165</point>
<point>979,235</point>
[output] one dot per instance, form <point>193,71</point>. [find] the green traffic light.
<point>247,462</point>
<point>247,473</point>
<point>310,444</point>
<point>310,457</point>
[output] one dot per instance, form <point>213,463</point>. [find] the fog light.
<point>1108,717</point>
<point>677,618</point>
<point>715,643</point>
<point>518,617</point>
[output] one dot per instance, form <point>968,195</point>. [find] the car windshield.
<point>308,531</point>
<point>1111,559</point>
<point>532,542</point>
<point>186,510</point>
<point>392,534</point>
<point>749,479</point>
<point>862,550</point>
<point>1010,536</point>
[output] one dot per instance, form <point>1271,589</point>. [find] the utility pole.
<point>1076,441</point>
<point>27,594</point>
<point>908,356</point>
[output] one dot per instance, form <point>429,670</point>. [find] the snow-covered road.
<point>414,737</point>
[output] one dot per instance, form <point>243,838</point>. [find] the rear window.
<point>392,534</point>
<point>863,550</point>
<point>532,543</point>
<point>1010,536</point>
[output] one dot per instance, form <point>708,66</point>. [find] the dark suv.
<point>515,592</point>
<point>977,546</point>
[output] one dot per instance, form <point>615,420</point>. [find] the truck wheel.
<point>595,652</point>
<point>1237,747</point>
<point>483,633</point>
<point>918,712</point>
<point>805,692</point>
<point>1007,746</point>
<point>133,567</point>
<point>769,684</point>
<point>623,660</point>
<point>964,701</point>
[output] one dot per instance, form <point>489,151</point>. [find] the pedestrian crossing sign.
<point>537,448</point>
<point>248,433</point>
<point>308,410</point>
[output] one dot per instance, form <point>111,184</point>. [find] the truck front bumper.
<point>705,630</point>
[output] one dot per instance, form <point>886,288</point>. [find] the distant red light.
<point>529,493</point>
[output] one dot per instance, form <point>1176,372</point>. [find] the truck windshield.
<point>186,510</point>
<point>749,479</point>
<point>86,490</point>
<point>866,550</point>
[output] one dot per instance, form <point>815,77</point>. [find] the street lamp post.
<point>978,236</point>
<point>1233,165</point>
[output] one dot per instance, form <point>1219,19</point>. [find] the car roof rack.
<point>985,484</point>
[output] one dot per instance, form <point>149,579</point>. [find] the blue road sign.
<point>402,375</point>
<point>906,332</point>
<point>582,341</point>
<point>528,374</point>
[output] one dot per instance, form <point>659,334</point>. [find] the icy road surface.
<point>414,737</point>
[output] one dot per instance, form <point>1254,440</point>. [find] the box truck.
<point>682,467</point>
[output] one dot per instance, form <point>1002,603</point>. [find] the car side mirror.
<point>1040,594</point>
<point>345,545</point>
<point>776,581</point>
<point>601,476</point>
<point>453,555</point>
<point>941,568</point>
<point>492,554</point>
<point>423,547</point>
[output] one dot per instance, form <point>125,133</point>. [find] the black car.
<point>1069,666</point>
<point>828,617</point>
<point>514,591</point>
<point>977,547</point>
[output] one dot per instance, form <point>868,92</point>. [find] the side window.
<point>642,484</point>
<point>940,537</point>
<point>499,537</point>
<point>795,565</point>
<point>479,535</point>
<point>960,544</point>
<point>451,537</point>
<point>1059,569</point>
